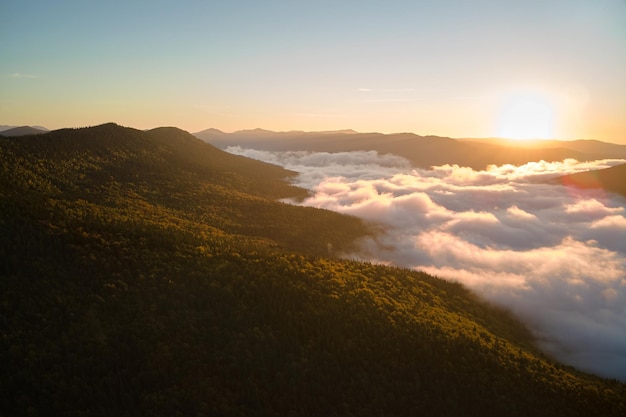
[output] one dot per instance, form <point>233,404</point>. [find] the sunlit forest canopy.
<point>148,273</point>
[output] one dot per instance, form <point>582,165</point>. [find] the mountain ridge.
<point>152,273</point>
<point>590,146</point>
<point>422,151</point>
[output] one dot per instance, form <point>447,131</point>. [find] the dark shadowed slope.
<point>610,179</point>
<point>148,273</point>
<point>422,151</point>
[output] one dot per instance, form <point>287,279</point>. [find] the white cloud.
<point>517,213</point>
<point>554,255</point>
<point>587,209</point>
<point>613,221</point>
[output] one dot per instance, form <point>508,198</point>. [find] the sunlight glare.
<point>526,116</point>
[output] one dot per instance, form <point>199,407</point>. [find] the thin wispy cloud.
<point>21,75</point>
<point>463,98</point>
<point>386,90</point>
<point>389,100</point>
<point>556,256</point>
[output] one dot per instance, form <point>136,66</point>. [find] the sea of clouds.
<point>554,255</point>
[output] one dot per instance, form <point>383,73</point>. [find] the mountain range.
<point>421,151</point>
<point>151,273</point>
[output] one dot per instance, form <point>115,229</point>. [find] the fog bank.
<point>554,255</point>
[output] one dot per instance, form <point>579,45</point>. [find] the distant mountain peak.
<point>341,132</point>
<point>22,131</point>
<point>210,131</point>
<point>256,131</point>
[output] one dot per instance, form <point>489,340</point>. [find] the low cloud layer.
<point>554,255</point>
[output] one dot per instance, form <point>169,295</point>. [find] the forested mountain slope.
<point>147,273</point>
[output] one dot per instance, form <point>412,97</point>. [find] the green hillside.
<point>148,273</point>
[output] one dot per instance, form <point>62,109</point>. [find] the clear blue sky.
<point>429,67</point>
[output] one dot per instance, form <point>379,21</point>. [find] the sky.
<point>553,255</point>
<point>477,68</point>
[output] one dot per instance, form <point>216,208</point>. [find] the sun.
<point>526,115</point>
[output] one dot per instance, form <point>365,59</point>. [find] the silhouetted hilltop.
<point>149,273</point>
<point>422,151</point>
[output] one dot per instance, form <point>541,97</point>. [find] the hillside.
<point>610,179</point>
<point>148,273</point>
<point>422,151</point>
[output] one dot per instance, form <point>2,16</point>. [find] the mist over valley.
<point>517,235</point>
